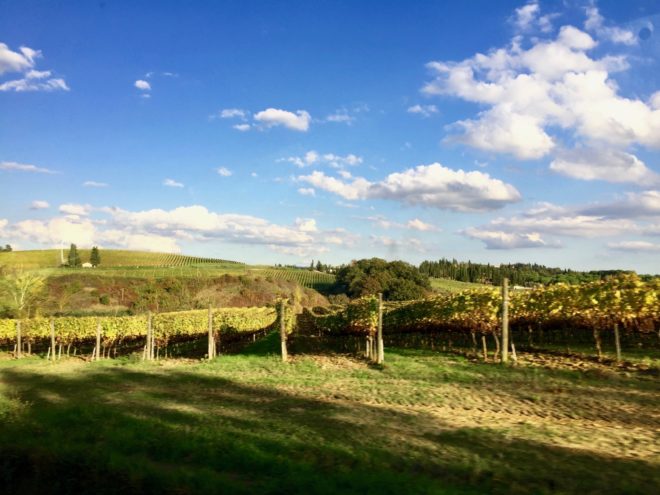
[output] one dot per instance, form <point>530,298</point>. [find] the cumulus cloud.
<point>424,110</point>
<point>426,185</point>
<point>75,209</point>
<point>271,117</point>
<point>596,23</point>
<point>24,167</point>
<point>535,89</point>
<point>172,183</point>
<point>224,172</point>
<point>242,127</point>
<point>233,113</point>
<point>610,165</point>
<point>142,85</point>
<point>633,205</point>
<point>23,61</point>
<point>497,239</point>
<point>314,158</point>
<point>635,246</point>
<point>164,230</point>
<point>39,205</point>
<point>417,224</point>
<point>397,245</point>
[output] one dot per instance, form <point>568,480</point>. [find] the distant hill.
<point>110,258</point>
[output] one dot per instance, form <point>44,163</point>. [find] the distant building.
<point>87,265</point>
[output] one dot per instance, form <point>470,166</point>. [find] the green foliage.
<point>396,280</point>
<point>21,291</point>
<point>95,257</point>
<point>73,258</point>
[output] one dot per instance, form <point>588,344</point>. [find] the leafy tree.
<point>397,280</point>
<point>95,257</point>
<point>7,249</point>
<point>319,266</point>
<point>74,257</point>
<point>22,290</point>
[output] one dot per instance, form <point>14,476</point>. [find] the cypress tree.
<point>95,257</point>
<point>74,257</point>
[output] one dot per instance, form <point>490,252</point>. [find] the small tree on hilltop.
<point>95,257</point>
<point>74,257</point>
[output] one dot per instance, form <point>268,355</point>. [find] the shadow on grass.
<point>117,430</point>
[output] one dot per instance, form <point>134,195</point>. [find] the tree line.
<point>518,273</point>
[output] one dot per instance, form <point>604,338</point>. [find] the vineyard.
<point>559,314</point>
<point>159,329</point>
<point>314,280</point>
<point>110,258</point>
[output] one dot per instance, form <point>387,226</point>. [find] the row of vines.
<point>627,302</point>
<point>163,328</point>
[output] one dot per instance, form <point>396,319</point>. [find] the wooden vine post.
<point>505,320</point>
<point>285,354</point>
<point>52,339</point>
<point>211,350</point>
<point>97,357</point>
<point>617,342</point>
<point>19,343</point>
<point>381,348</point>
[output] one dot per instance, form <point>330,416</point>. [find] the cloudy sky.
<point>288,131</point>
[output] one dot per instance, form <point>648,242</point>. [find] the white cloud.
<point>39,205</point>
<point>633,205</point>
<point>138,242</point>
<point>596,23</point>
<point>610,165</point>
<point>224,172</point>
<point>566,224</point>
<point>233,113</point>
<point>497,239</point>
<point>23,167</point>
<point>306,191</point>
<point>11,61</point>
<point>172,183</point>
<point>417,224</point>
<point>357,189</point>
<point>271,117</point>
<point>534,90</point>
<point>426,185</point>
<point>314,158</point>
<point>142,85</point>
<point>635,246</point>
<point>23,85</point>
<point>242,127</point>
<point>306,224</point>
<point>75,209</point>
<point>525,16</point>
<point>92,183</point>
<point>396,245</point>
<point>425,110</point>
<point>341,116</point>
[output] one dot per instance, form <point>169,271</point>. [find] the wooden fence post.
<point>149,346</point>
<point>617,342</point>
<point>19,343</point>
<point>52,339</point>
<point>211,350</point>
<point>285,354</point>
<point>381,349</point>
<point>98,340</point>
<point>505,320</point>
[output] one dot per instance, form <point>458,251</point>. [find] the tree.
<point>95,257</point>
<point>22,290</point>
<point>74,257</point>
<point>397,280</point>
<point>7,249</point>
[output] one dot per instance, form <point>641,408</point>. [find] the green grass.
<point>423,423</point>
<point>448,285</point>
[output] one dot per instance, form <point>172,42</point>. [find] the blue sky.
<point>288,131</point>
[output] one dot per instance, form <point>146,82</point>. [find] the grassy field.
<point>448,285</point>
<point>426,422</point>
